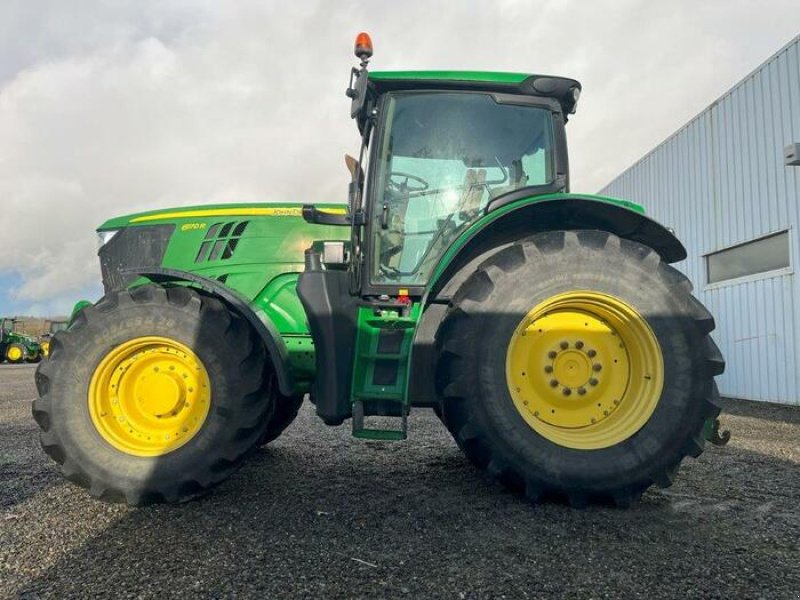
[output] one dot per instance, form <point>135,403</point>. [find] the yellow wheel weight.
<point>149,396</point>
<point>584,370</point>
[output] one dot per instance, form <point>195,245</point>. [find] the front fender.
<point>79,306</point>
<point>276,347</point>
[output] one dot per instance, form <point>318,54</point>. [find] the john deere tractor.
<point>547,329</point>
<point>44,340</point>
<point>16,347</point>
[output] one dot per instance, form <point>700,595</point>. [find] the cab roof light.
<point>363,47</point>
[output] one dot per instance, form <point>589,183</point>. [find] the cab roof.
<point>529,84</point>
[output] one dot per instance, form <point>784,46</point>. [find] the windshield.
<point>443,157</point>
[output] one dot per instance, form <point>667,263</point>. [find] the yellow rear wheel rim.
<point>585,370</point>
<point>149,396</point>
<point>14,353</point>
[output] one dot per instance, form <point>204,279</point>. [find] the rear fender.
<point>509,223</point>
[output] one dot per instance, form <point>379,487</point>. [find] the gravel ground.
<point>321,515</point>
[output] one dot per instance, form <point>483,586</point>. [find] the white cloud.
<point>105,111</point>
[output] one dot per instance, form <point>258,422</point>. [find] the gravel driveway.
<point>321,515</point>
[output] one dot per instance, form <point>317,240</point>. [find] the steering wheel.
<point>404,187</point>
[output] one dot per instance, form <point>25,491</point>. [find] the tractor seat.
<point>472,196</point>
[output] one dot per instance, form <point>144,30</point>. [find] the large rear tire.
<point>578,365</point>
<point>152,395</point>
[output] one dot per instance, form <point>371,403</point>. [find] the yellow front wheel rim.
<point>14,353</point>
<point>45,349</point>
<point>585,370</point>
<point>149,396</point>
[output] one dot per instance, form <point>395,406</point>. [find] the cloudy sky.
<point>113,107</point>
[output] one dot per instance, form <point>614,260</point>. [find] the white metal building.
<point>728,182</point>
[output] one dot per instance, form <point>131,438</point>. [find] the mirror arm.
<point>313,215</point>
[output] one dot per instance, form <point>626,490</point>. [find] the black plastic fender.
<point>567,213</point>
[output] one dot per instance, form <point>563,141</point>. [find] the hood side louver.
<point>220,241</point>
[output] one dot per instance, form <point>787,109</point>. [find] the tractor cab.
<point>443,148</point>
<point>439,151</point>
<point>433,177</point>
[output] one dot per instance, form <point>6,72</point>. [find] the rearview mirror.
<point>357,91</point>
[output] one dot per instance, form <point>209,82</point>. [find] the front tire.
<point>152,395</point>
<point>15,353</point>
<point>577,365</point>
<point>286,409</point>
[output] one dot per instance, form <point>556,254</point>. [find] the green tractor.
<point>44,340</point>
<point>16,347</point>
<point>546,329</point>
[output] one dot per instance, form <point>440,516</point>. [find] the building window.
<point>770,253</point>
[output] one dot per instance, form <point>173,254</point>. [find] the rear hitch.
<point>712,434</point>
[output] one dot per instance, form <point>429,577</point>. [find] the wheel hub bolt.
<point>593,381</point>
<point>548,369</point>
<point>564,345</point>
<point>566,391</point>
<point>591,353</point>
<point>581,391</point>
<point>597,366</point>
<point>551,354</point>
<point>579,344</point>
<point>553,383</point>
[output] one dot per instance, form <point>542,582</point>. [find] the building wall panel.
<point>719,181</point>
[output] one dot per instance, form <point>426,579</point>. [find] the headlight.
<point>103,237</point>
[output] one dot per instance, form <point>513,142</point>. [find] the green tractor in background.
<point>16,347</point>
<point>546,329</point>
<point>54,327</point>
